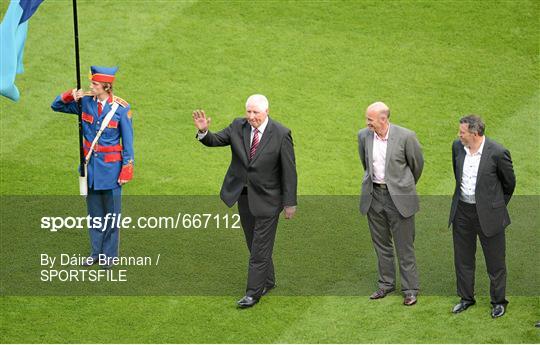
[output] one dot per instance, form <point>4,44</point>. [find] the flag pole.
<point>78,69</point>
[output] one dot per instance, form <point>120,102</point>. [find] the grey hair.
<point>476,125</point>
<point>260,100</point>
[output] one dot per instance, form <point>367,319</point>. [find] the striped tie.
<point>254,144</point>
<point>99,108</point>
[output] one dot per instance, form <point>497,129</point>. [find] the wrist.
<point>67,96</point>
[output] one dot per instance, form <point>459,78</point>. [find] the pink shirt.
<point>379,156</point>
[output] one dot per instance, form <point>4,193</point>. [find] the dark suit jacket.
<point>495,185</point>
<point>403,168</point>
<point>270,176</point>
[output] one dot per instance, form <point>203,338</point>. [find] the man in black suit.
<point>262,179</point>
<point>485,182</point>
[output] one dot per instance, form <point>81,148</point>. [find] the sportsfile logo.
<point>114,220</point>
<point>99,223</point>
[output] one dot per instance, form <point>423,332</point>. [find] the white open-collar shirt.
<point>470,173</point>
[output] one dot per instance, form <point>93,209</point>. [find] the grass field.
<point>320,64</point>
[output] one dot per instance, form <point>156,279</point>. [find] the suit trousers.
<point>260,234</point>
<point>466,228</point>
<point>389,227</point>
<point>106,238</point>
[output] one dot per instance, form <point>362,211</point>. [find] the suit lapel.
<point>264,140</point>
<point>460,159</point>
<point>390,145</point>
<point>486,151</point>
<point>246,133</point>
<point>369,146</point>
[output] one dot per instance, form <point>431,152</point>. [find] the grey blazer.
<point>495,184</point>
<point>270,176</point>
<point>404,164</point>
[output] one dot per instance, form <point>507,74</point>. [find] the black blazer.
<point>495,184</point>
<point>270,176</point>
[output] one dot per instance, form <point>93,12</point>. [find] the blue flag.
<point>12,37</point>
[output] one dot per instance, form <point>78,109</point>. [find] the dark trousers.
<point>466,227</point>
<point>389,227</point>
<point>104,239</point>
<point>260,233</point>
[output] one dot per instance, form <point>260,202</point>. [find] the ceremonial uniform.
<point>112,158</point>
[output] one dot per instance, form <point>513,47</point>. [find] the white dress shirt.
<point>470,173</point>
<point>261,129</point>
<point>379,156</point>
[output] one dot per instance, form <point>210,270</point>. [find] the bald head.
<point>377,115</point>
<point>378,108</point>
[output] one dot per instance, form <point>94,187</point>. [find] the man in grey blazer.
<point>393,162</point>
<point>261,179</point>
<point>485,182</point>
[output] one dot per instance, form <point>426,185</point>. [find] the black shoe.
<point>247,302</point>
<point>498,310</point>
<point>537,324</point>
<point>267,289</point>
<point>462,306</point>
<point>380,293</point>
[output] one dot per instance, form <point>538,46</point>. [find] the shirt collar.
<point>108,100</point>
<point>480,149</point>
<point>262,127</point>
<point>385,137</point>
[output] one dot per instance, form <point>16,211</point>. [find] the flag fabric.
<point>13,31</point>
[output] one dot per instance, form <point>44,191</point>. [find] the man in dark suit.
<point>262,179</point>
<point>485,182</point>
<point>393,162</point>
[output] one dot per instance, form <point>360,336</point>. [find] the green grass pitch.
<point>320,63</point>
